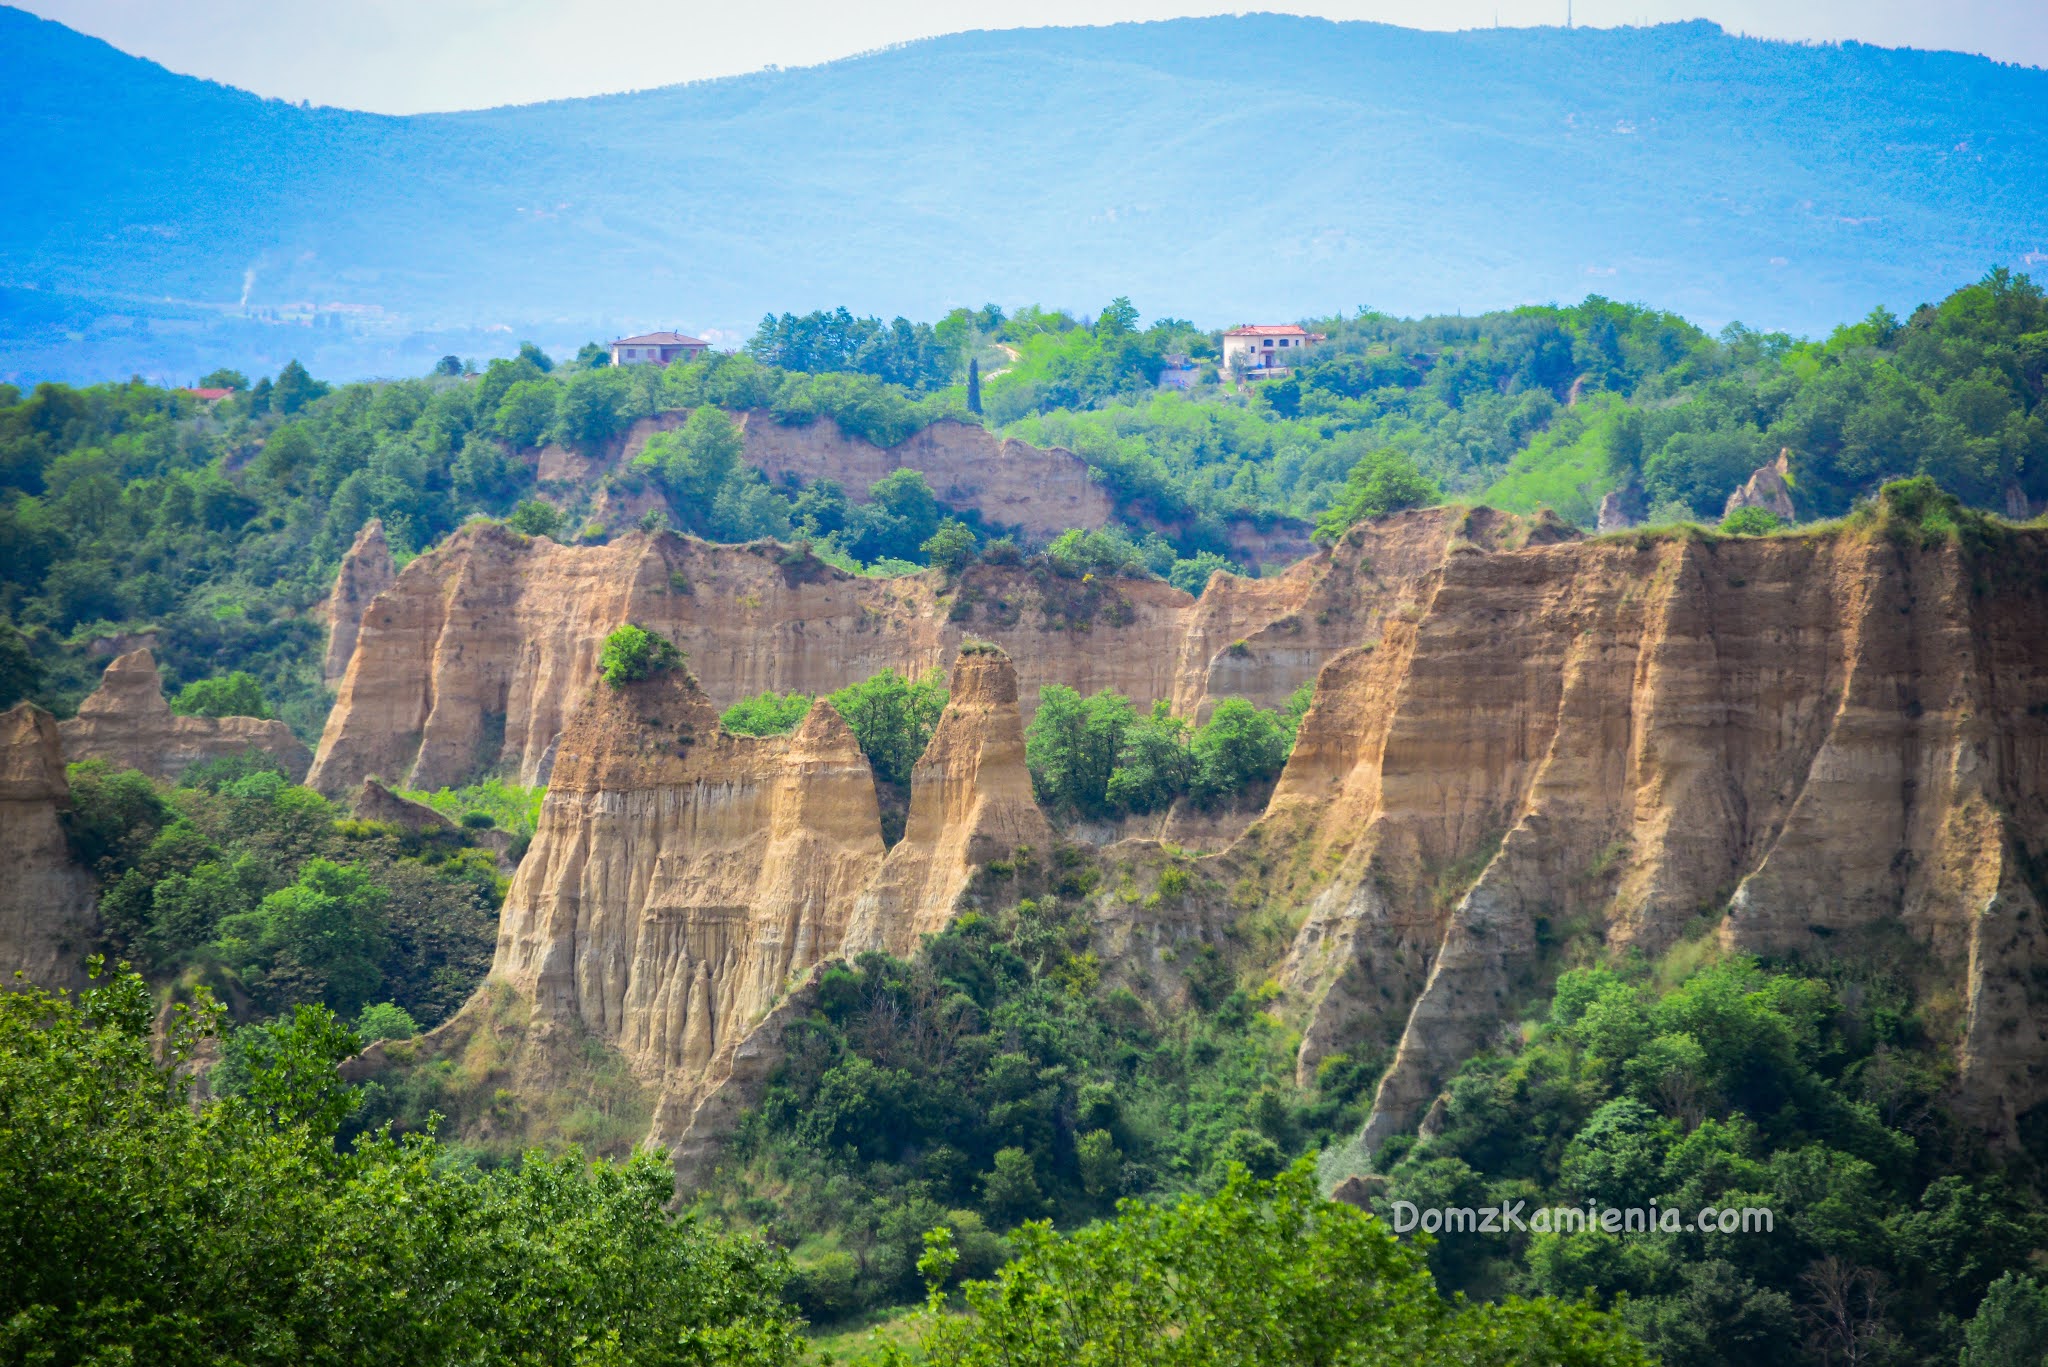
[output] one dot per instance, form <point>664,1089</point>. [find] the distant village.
<point>1255,352</point>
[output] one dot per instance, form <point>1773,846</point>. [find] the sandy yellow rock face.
<point>683,881</point>
<point>1798,745</point>
<point>127,722</point>
<point>366,571</point>
<point>472,661</point>
<point>1833,737</point>
<point>970,804</point>
<point>47,918</point>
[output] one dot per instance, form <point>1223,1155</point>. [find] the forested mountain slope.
<point>1226,168</point>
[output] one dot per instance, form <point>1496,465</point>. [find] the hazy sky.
<point>403,56</point>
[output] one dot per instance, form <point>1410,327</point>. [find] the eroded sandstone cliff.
<point>471,661</point>
<point>1830,736</point>
<point>684,881</point>
<point>970,804</point>
<point>127,722</point>
<point>366,571</point>
<point>1524,748</point>
<point>47,919</point>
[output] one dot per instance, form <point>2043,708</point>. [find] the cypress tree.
<point>973,385</point>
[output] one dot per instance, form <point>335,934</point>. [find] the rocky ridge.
<point>1793,745</point>
<point>367,569</point>
<point>1524,750</point>
<point>683,882</point>
<point>127,722</point>
<point>47,916</point>
<point>474,658</point>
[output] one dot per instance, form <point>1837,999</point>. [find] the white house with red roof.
<point>1266,349</point>
<point>657,348</point>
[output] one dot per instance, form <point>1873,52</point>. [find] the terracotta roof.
<point>210,395</point>
<point>660,339</point>
<point>1271,330</point>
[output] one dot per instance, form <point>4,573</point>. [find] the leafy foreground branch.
<point>136,1226</point>
<point>1261,1273</point>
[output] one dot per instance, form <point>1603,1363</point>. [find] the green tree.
<point>527,412</point>
<point>1072,745</point>
<point>318,939</point>
<point>973,385</point>
<point>766,714</point>
<point>115,815</point>
<point>448,366</point>
<point>893,718</point>
<point>224,379</point>
<point>20,674</point>
<point>901,514</point>
<point>536,517</point>
<point>386,1020</point>
<point>1383,481</point>
<point>143,1226</point>
<point>295,389</point>
<point>950,548</point>
<point>1239,747</point>
<point>1751,522</point>
<point>1119,319</point>
<point>235,695</point>
<point>592,409</point>
<point>2010,1328</point>
<point>1011,1186</point>
<point>1101,1165</point>
<point>1700,469</point>
<point>696,461</point>
<point>1262,1274</point>
<point>632,653</point>
<point>1192,574</point>
<point>1153,763</point>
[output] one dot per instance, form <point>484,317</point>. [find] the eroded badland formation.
<point>1524,747</point>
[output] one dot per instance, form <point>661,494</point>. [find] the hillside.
<point>1667,866</point>
<point>1225,168</point>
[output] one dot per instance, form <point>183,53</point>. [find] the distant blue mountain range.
<point>1224,170</point>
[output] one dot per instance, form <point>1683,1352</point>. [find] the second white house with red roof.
<point>1265,349</point>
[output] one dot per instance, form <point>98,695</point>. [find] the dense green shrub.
<point>1751,522</point>
<point>537,517</point>
<point>1818,1098</point>
<point>893,718</point>
<point>766,714</point>
<point>1260,1274</point>
<point>143,1227</point>
<point>236,695</point>
<point>1096,757</point>
<point>997,1077</point>
<point>262,887</point>
<point>632,653</point>
<point>1383,481</point>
